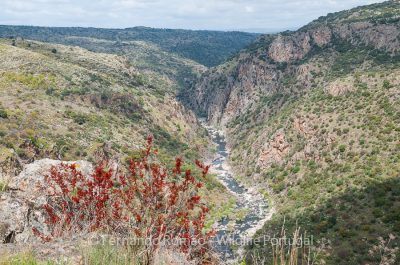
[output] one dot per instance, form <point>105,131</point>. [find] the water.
<point>249,200</point>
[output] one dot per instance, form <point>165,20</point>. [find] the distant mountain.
<point>209,48</point>
<point>264,30</point>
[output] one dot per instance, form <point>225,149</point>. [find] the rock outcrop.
<point>290,48</point>
<point>340,87</point>
<point>275,150</point>
<point>21,205</point>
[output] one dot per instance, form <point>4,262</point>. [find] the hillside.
<point>69,104</point>
<point>208,48</point>
<point>53,90</point>
<point>312,118</point>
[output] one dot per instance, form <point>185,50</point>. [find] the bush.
<point>386,84</point>
<point>149,202</point>
<point>342,148</point>
<point>78,118</point>
<point>296,169</point>
<point>3,114</point>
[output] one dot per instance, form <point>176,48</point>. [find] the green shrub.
<point>296,169</point>
<point>386,84</point>
<point>342,148</point>
<point>78,118</point>
<point>3,114</point>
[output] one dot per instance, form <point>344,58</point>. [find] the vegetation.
<point>3,185</point>
<point>208,48</point>
<point>93,106</point>
<point>25,259</point>
<point>3,114</point>
<point>385,12</point>
<point>337,191</point>
<point>85,95</point>
<point>149,203</point>
<point>320,136</point>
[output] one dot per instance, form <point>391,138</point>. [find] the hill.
<point>312,119</point>
<point>50,91</point>
<point>208,48</point>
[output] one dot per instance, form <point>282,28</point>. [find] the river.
<point>248,200</point>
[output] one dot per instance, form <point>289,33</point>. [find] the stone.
<point>21,206</point>
<point>275,150</point>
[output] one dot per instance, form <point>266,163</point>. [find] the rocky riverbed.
<point>248,200</point>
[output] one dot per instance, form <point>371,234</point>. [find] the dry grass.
<point>289,254</point>
<point>4,182</point>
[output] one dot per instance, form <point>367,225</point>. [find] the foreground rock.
<point>21,206</point>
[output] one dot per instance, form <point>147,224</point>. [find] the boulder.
<point>21,206</point>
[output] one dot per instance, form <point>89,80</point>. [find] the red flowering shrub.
<point>150,202</point>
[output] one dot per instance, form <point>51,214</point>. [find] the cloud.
<point>192,14</point>
<point>249,9</point>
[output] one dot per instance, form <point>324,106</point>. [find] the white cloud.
<point>249,9</point>
<point>194,14</point>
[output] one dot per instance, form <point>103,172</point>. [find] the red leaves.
<point>150,201</point>
<point>203,167</point>
<point>138,218</point>
<point>37,233</point>
<point>195,199</point>
<point>78,203</point>
<point>178,165</point>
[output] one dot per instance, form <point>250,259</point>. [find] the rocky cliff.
<point>312,118</point>
<point>293,61</point>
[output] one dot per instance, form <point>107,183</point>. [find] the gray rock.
<point>21,207</point>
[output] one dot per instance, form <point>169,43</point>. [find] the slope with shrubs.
<point>312,118</point>
<point>338,173</point>
<point>68,103</point>
<point>65,102</point>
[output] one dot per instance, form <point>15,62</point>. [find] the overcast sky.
<point>187,14</point>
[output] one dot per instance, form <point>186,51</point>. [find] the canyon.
<point>301,128</point>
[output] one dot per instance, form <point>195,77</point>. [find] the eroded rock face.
<point>289,48</point>
<point>382,36</point>
<point>298,45</point>
<point>21,206</point>
<point>340,87</point>
<point>322,36</point>
<point>228,91</point>
<point>275,150</point>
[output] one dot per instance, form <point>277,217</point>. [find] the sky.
<point>247,15</point>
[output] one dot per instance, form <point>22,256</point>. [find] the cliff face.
<point>266,66</point>
<point>312,118</point>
